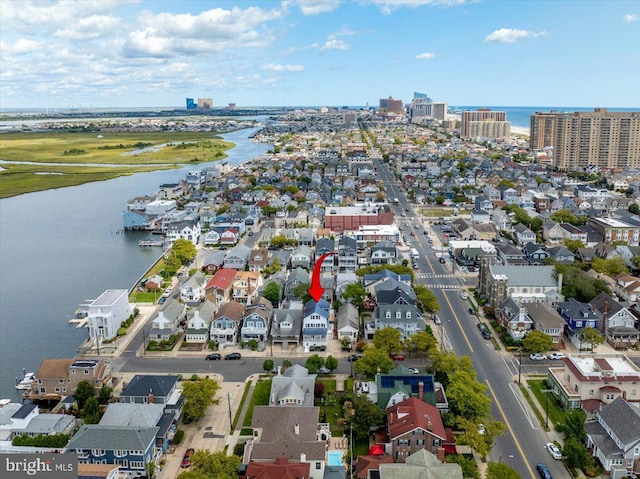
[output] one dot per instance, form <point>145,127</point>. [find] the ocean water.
<point>520,116</point>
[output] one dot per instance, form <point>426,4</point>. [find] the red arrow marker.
<point>316,290</point>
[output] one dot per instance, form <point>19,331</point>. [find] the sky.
<point>119,53</point>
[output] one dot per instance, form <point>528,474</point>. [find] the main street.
<point>523,444</point>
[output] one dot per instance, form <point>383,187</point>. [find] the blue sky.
<point>117,53</point>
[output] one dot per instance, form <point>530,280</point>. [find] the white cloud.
<point>313,7</point>
<point>20,47</point>
<point>334,43</point>
<point>388,6</point>
<point>511,35</point>
<point>93,26</point>
<point>425,56</point>
<point>275,67</point>
<point>630,18</point>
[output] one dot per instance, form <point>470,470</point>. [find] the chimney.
<point>303,457</point>
<point>560,283</point>
<point>296,429</point>
<point>441,454</point>
<point>421,391</point>
<point>150,398</point>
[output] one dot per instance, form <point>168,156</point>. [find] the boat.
<point>150,243</point>
<point>27,380</point>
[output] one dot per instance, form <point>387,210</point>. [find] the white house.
<point>198,321</point>
<point>107,313</point>
<point>193,289</point>
<point>188,230</point>
<point>315,324</point>
<point>167,321</point>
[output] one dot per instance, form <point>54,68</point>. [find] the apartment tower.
<point>481,114</point>
<point>601,138</point>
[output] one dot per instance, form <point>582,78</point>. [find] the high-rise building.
<point>439,110</point>
<point>191,105</point>
<point>601,138</point>
<point>489,129</point>
<point>390,106</point>
<point>480,114</point>
<point>205,103</point>
<point>422,96</point>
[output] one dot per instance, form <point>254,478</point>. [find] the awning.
<point>450,449</point>
<point>376,450</point>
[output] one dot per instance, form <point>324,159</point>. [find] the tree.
<point>591,336</point>
<point>374,268</point>
<point>314,363</point>
<point>373,359</point>
<point>355,294</point>
<point>611,267</point>
<point>499,470</point>
<point>368,416</point>
<point>426,299</point>
<point>84,391</point>
<point>105,394</point>
<point>537,342</point>
<point>172,264</point>
<point>573,245</point>
<point>302,292</point>
<point>267,365</point>
<point>468,465</point>
<point>286,364</point>
<point>184,250</point>
<point>272,292</point>
<point>388,340</point>
<point>421,341</point>
<point>573,425</point>
<point>205,465</point>
<point>199,395</point>
<point>564,216</point>
<point>331,363</point>
<point>91,411</point>
<point>636,261</point>
<point>467,396</point>
<point>273,268</point>
<point>634,208</point>
<point>577,284</point>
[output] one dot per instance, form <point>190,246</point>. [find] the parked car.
<point>481,327</point>
<point>353,357</point>
<point>324,370</point>
<point>250,233</point>
<point>471,311</point>
<point>213,357</point>
<point>481,430</point>
<point>554,450</point>
<point>486,334</point>
<point>186,459</point>
<point>162,300</point>
<point>397,357</point>
<point>425,233</point>
<point>537,357</point>
<point>464,295</point>
<point>437,320</point>
<point>544,471</point>
<point>414,370</point>
<point>233,356</point>
<point>557,356</point>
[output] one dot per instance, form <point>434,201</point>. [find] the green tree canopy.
<point>184,250</point>
<point>611,267</point>
<point>206,464</point>
<point>105,394</point>
<point>500,470</point>
<point>565,216</point>
<point>84,391</point>
<point>314,363</point>
<point>302,292</point>
<point>199,395</point>
<point>374,268</point>
<point>634,208</point>
<point>537,342</point>
<point>267,365</point>
<point>467,463</point>
<point>355,293</point>
<point>272,292</point>
<point>467,396</point>
<point>388,340</point>
<point>421,341</point>
<point>426,299</point>
<point>331,363</point>
<point>577,284</point>
<point>573,245</point>
<point>91,411</point>
<point>372,359</point>
<point>368,416</point>
<point>591,336</point>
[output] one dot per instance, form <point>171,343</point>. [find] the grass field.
<point>69,159</point>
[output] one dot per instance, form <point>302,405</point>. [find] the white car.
<point>554,451</point>
<point>537,357</point>
<point>481,430</point>
<point>557,356</point>
<point>464,295</point>
<point>414,370</point>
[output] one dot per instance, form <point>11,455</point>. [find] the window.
<point>122,462</point>
<point>420,442</point>
<point>97,452</point>
<point>591,392</point>
<point>61,381</point>
<point>136,465</point>
<point>398,314</point>
<point>86,371</point>
<point>318,466</point>
<point>403,442</point>
<point>408,315</point>
<point>119,453</point>
<point>57,390</point>
<point>388,315</point>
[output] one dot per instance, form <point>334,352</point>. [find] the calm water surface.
<point>61,247</point>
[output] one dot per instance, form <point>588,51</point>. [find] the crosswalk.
<point>452,287</point>
<point>431,275</point>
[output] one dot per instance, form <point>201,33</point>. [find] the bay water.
<point>59,248</point>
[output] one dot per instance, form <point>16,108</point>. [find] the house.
<point>297,277</point>
<point>614,438</point>
<point>198,321</point>
<point>167,321</point>
<point>371,281</point>
<point>323,246</point>
<point>509,254</point>
<point>578,316</point>
<point>211,238</point>
<point>192,290</point>
<point>280,468</point>
<point>154,389</point>
<point>286,327</point>
<point>588,382</point>
<point>246,285</point>
<point>187,230</point>
<point>302,257</point>
<point>413,425</point>
<point>142,415</point>
<point>226,323</point>
<point>315,324</point>
<point>404,317</point>
<point>106,314</point>
<point>154,283</point>
<point>348,322</point>
<point>25,419</point>
<point>400,384</point>
<point>535,254</point>
<point>213,261</point>
<point>422,464</point>
<point>347,254</point>
<point>229,237</point>
<point>237,257</point>
<point>547,320</point>
<point>292,432</point>
<point>384,252</point>
<point>131,447</point>
<point>294,387</point>
<point>627,288</point>
<point>523,234</point>
<point>552,232</point>
<point>219,288</point>
<point>560,254</point>
<point>60,377</point>
<point>514,318</point>
<point>258,259</point>
<point>255,324</point>
<point>617,323</point>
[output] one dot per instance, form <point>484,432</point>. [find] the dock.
<point>79,322</point>
<point>149,243</point>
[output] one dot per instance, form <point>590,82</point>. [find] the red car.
<point>186,460</point>
<point>397,357</point>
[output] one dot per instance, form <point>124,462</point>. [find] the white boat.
<point>26,381</point>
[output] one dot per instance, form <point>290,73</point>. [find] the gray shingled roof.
<point>131,414</point>
<point>527,275</point>
<point>96,436</point>
<point>141,384</point>
<point>623,419</point>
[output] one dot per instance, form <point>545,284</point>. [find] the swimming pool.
<point>334,458</point>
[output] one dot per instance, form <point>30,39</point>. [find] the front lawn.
<point>260,397</point>
<point>556,413</point>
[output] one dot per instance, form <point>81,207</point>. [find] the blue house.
<point>134,219</point>
<point>578,316</point>
<point>130,447</point>
<point>315,324</point>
